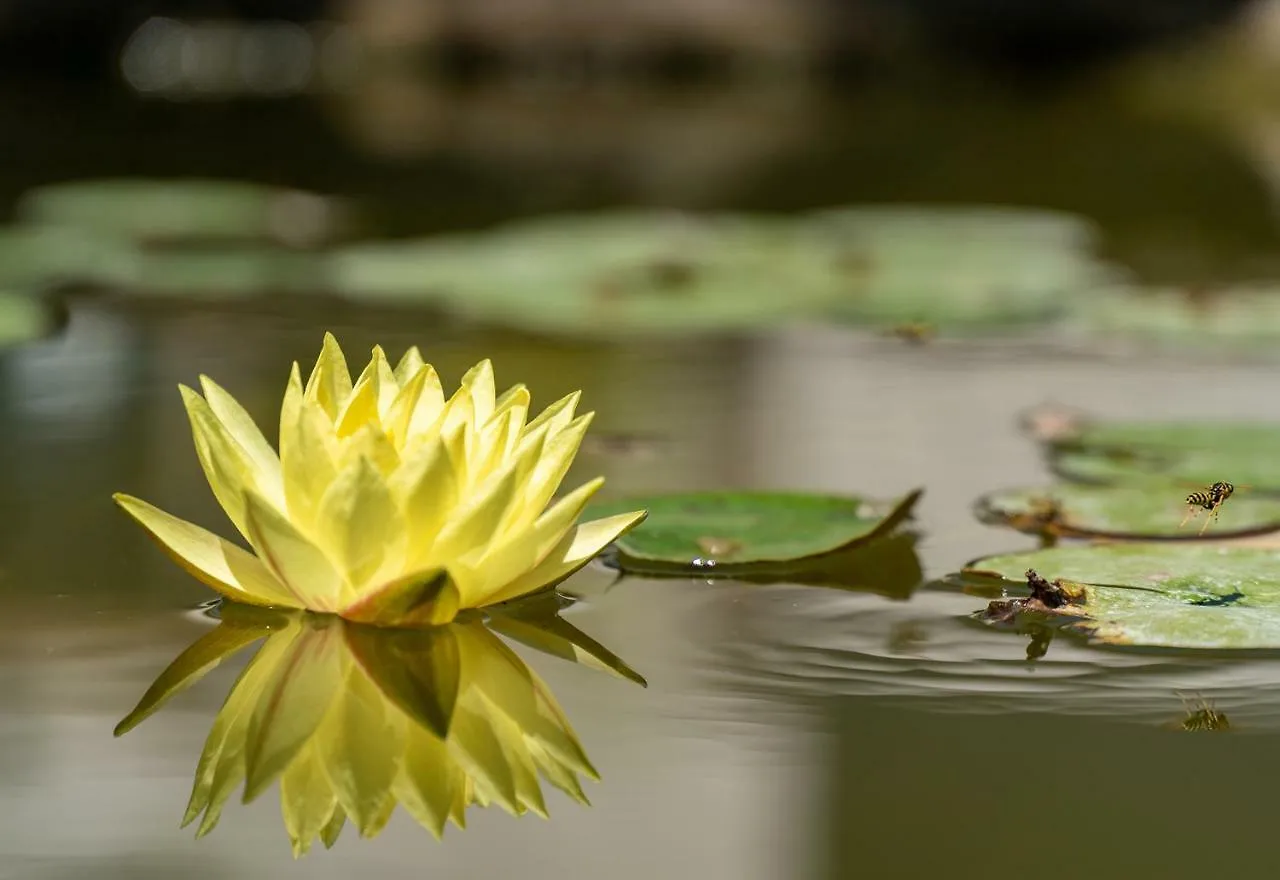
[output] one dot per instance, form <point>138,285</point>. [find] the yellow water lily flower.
<point>387,503</point>
<point>354,720</point>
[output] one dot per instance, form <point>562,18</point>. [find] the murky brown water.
<point>786,732</point>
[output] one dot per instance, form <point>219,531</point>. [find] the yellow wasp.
<point>1210,499</point>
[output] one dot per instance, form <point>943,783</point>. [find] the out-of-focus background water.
<point>786,731</point>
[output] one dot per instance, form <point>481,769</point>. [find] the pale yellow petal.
<point>476,521</point>
<point>574,551</point>
<point>372,443</point>
<point>479,381</point>
<point>421,598</point>
<point>410,363</point>
<point>234,573</point>
<point>379,375</point>
<point>557,774</point>
<point>294,702</point>
<point>292,557</point>
<point>247,435</point>
<point>557,415</point>
<point>458,418</point>
<point>428,407</point>
<point>524,774</point>
<point>307,800</point>
<point>226,465</point>
<point>361,743</point>
<point>359,526</point>
<point>329,834</point>
<point>398,416</point>
<point>330,381</point>
<point>427,490</point>
<point>361,408</point>
<point>523,550</point>
<point>558,452</point>
<point>475,746</point>
<point>307,451</point>
<point>429,781</point>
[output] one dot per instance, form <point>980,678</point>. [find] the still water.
<point>786,731</point>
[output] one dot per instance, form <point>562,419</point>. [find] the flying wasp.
<point>1210,499</point>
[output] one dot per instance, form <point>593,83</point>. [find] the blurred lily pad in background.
<point>147,210</point>
<point>959,268</point>
<point>605,274</point>
<point>1155,511</point>
<point>1169,595</point>
<point>1189,454</point>
<point>1199,315</point>
<point>732,533</point>
<point>25,316</point>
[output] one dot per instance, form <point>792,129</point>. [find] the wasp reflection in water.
<point>354,720</point>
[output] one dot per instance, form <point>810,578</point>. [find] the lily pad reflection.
<point>353,721</point>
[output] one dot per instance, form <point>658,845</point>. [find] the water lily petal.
<point>361,408</point>
<point>329,834</point>
<point>198,660</point>
<point>422,598</point>
<point>476,522</point>
<point>307,800</point>
<point>226,465</point>
<point>428,407</point>
<point>217,563</point>
<point>573,551</point>
<point>307,452</point>
<point>474,744</point>
<point>480,386</point>
<point>379,374</point>
<point>553,463</point>
<point>430,781</point>
<point>246,433</point>
<point>292,557</point>
<point>498,566</point>
<point>400,413</point>
<point>417,670</point>
<point>410,363</point>
<point>361,742</point>
<point>330,382</point>
<point>359,526</point>
<point>426,490</point>
<point>295,699</point>
<point>557,415</point>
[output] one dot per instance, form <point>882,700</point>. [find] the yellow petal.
<point>361,408</point>
<point>557,774</point>
<point>307,451</point>
<point>499,565</point>
<point>428,406</point>
<point>476,522</point>
<point>557,415</point>
<point>359,525</point>
<point>427,491</point>
<point>410,363</point>
<point>479,383</point>
<point>370,442</point>
<point>558,452</point>
<point>307,800</point>
<point>475,745</point>
<point>329,834</point>
<point>378,373</point>
<point>424,598</point>
<point>226,465</point>
<point>292,558</point>
<point>554,635</point>
<point>361,743</point>
<point>574,551</point>
<point>193,664</point>
<point>330,382</point>
<point>429,781</point>
<point>221,766</point>
<point>221,565</point>
<point>294,701</point>
<point>416,670</point>
<point>398,416</point>
<point>247,435</point>
<point>523,771</point>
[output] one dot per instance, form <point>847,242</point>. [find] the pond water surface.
<point>785,731</point>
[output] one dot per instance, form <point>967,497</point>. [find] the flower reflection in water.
<point>354,719</point>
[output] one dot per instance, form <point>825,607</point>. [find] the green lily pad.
<point>732,533</point>
<point>959,268</point>
<point>1195,316</point>
<point>25,316</point>
<point>144,210</point>
<point>604,274</point>
<point>1167,595</point>
<point>1155,511</point>
<point>1189,453</point>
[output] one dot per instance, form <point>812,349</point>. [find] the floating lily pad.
<point>732,533</point>
<point>959,268</point>
<point>142,209</point>
<point>1122,511</point>
<point>606,273</point>
<point>1186,595</point>
<point>1195,315</point>
<point>25,316</point>
<point>1189,453</point>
